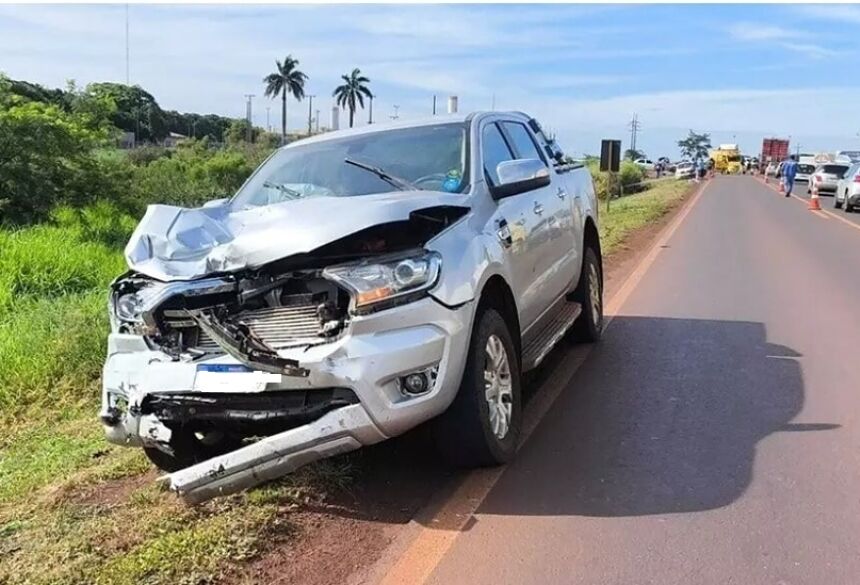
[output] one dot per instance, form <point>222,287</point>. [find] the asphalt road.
<point>714,434</point>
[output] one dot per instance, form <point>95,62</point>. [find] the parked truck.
<point>727,159</point>
<point>773,150</point>
<point>358,284</point>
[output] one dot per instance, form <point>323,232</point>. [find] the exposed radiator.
<point>277,327</point>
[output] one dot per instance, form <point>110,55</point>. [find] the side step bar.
<point>538,348</point>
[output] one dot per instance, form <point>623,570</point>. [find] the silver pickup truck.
<point>358,284</point>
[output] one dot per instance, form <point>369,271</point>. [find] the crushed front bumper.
<point>368,361</point>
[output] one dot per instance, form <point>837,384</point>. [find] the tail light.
<point>818,178</point>
<point>856,178</point>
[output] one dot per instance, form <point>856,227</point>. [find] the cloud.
<point>780,37</point>
<point>748,31</point>
<point>840,13</point>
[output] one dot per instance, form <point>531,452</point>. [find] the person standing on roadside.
<point>789,171</point>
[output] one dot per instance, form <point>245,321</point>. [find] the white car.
<point>848,189</point>
<point>804,171</point>
<point>685,170</point>
<point>645,163</point>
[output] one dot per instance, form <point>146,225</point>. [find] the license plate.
<point>232,378</point>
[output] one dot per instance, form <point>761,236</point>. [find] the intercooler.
<point>277,327</point>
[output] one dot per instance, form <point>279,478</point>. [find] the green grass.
<point>630,213</point>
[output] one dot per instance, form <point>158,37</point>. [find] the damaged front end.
<point>233,378</point>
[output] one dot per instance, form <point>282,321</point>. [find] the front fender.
<point>471,255</point>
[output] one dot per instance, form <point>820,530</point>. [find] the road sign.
<point>610,155</point>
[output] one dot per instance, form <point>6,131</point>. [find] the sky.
<point>738,72</point>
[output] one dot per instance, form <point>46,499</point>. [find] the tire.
<point>189,449</point>
<point>588,327</point>
<point>847,207</point>
<point>464,434</point>
<point>836,203</point>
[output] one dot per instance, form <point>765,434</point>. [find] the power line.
<point>249,97</point>
<point>634,126</point>
<point>310,113</point>
<point>127,76</point>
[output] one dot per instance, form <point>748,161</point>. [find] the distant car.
<point>804,171</point>
<point>826,177</point>
<point>778,172</point>
<point>851,155</point>
<point>770,169</point>
<point>848,189</point>
<point>685,170</point>
<point>645,163</point>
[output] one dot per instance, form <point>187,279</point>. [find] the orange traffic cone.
<point>814,205</point>
<point>782,186</point>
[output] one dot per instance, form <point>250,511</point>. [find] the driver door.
<point>527,217</point>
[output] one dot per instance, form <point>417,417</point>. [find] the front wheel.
<point>482,426</point>
<point>836,203</point>
<point>588,327</point>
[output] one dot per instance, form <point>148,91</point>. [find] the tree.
<point>695,145</point>
<point>136,110</point>
<point>286,79</point>
<point>633,154</point>
<point>354,89</point>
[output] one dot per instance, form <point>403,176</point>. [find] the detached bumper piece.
<point>264,413</point>
<point>339,431</point>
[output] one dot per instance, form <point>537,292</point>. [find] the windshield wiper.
<point>395,181</point>
<point>283,189</point>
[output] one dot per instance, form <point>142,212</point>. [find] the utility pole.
<point>635,126</point>
<point>434,109</point>
<point>370,118</point>
<point>127,75</point>
<point>395,116</point>
<point>310,113</point>
<point>317,121</point>
<point>268,126</point>
<point>250,133</point>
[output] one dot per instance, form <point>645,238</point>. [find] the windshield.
<point>805,169</point>
<point>425,157</point>
<point>834,169</point>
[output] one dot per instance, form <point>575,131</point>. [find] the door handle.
<point>561,193</point>
<point>538,208</point>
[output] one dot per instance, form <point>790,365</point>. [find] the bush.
<point>628,176</point>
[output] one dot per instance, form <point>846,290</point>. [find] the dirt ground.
<point>395,480</point>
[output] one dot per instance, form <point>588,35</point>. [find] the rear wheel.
<point>190,448</point>
<point>847,204</point>
<point>588,327</point>
<point>482,426</point>
<point>836,203</point>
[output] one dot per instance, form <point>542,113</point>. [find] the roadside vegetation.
<point>74,509</point>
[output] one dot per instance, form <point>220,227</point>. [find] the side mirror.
<point>519,176</point>
<point>216,202</point>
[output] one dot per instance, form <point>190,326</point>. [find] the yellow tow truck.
<point>727,159</point>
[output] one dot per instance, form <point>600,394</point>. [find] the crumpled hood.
<point>175,243</point>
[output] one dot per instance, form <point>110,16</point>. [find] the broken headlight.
<point>384,282</point>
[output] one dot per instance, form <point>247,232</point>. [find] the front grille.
<point>277,327</point>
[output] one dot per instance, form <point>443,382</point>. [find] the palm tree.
<point>286,79</point>
<point>354,89</point>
